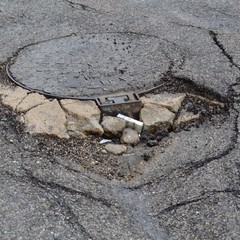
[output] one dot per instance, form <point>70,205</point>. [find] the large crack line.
<point>206,195</point>
<point>188,25</point>
<point>72,191</point>
<point>214,37</point>
<point>44,184</point>
<point>74,168</point>
<point>193,166</point>
<point>72,218</point>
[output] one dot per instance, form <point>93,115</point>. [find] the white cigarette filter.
<point>132,123</point>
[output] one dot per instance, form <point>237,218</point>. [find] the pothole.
<point>107,67</point>
<point>197,106</point>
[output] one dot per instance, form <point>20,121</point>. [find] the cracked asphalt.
<point>189,188</point>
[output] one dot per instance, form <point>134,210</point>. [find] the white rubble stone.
<point>170,101</point>
<point>48,118</point>
<point>185,117</point>
<point>113,126</point>
<point>14,98</point>
<point>116,149</point>
<point>83,117</point>
<point>30,101</point>
<point>156,117</point>
<point>130,137</point>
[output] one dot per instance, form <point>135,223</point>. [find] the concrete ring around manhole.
<point>92,65</point>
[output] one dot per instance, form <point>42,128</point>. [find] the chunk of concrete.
<point>13,98</point>
<point>83,117</point>
<point>48,118</point>
<point>112,126</point>
<point>116,149</point>
<point>155,117</point>
<point>170,101</point>
<point>185,117</point>
<point>130,137</point>
<point>30,101</point>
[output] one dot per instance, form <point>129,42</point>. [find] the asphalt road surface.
<point>187,189</point>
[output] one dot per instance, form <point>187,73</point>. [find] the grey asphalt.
<point>189,190</point>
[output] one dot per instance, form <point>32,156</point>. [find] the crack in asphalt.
<point>72,191</point>
<point>214,37</point>
<point>67,211</point>
<point>29,177</point>
<point>74,167</point>
<point>142,219</point>
<point>204,196</point>
<point>54,189</point>
<point>190,167</point>
<point>73,218</point>
<point>70,216</point>
<point>82,6</point>
<point>230,148</point>
<point>188,25</point>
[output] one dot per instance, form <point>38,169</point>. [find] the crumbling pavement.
<point>187,187</point>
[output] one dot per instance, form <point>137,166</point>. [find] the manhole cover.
<point>92,65</point>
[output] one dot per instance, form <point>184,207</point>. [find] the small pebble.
<point>104,151</point>
<point>152,143</point>
<point>147,155</point>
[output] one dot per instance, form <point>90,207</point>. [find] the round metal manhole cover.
<point>91,65</point>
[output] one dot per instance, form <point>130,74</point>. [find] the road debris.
<point>132,123</point>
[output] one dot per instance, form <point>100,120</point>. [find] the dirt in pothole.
<point>207,112</point>
<point>88,153</point>
<point>84,151</point>
<point>92,156</point>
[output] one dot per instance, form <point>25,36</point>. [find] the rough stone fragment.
<point>13,98</point>
<point>155,117</point>
<point>152,143</point>
<point>170,101</point>
<point>83,117</point>
<point>113,126</point>
<point>116,149</point>
<point>48,118</point>
<point>32,100</point>
<point>185,117</point>
<point>130,137</point>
